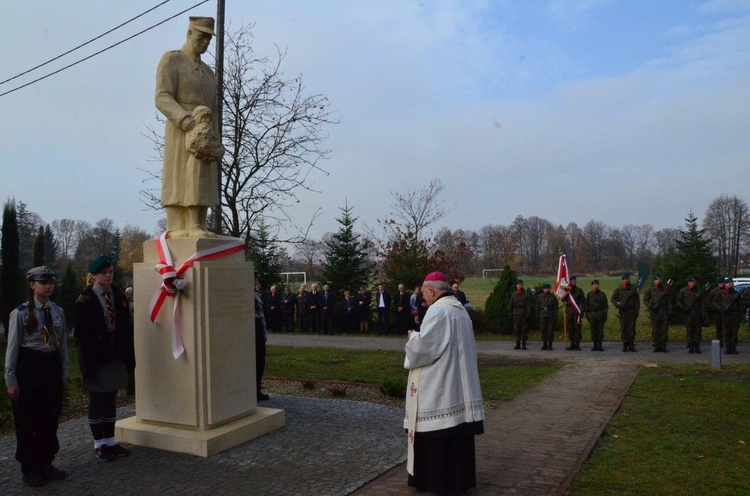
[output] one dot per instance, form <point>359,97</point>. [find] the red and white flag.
<point>562,284</point>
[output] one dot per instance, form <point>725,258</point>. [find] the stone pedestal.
<point>204,401</point>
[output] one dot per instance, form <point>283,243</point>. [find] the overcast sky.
<point>626,112</point>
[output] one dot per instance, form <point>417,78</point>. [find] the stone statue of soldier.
<point>186,95</point>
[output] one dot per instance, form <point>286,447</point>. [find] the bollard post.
<point>716,354</point>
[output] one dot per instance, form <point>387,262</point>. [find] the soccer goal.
<point>294,278</point>
<point>487,272</point>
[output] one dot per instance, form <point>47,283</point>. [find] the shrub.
<point>497,307</point>
<point>394,387</point>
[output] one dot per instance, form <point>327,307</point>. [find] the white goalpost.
<point>488,271</point>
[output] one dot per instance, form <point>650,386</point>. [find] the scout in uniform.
<point>36,374</point>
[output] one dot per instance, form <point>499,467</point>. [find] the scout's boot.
<point>544,346</point>
<point>664,348</point>
<point>631,346</point>
<point>601,348</point>
<point>624,346</point>
<point>698,348</point>
<point>728,349</point>
<point>549,347</point>
<point>523,345</point>
<point>518,345</point>
<point>691,348</point>
<point>578,346</point>
<point>657,348</point>
<point>594,346</point>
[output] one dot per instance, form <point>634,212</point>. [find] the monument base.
<point>200,443</point>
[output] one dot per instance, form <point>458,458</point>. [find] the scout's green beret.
<point>720,280</point>
<point>42,273</point>
<point>692,278</point>
<point>595,281</point>
<point>545,285</point>
<point>657,276</point>
<point>626,275</point>
<point>99,263</point>
<point>519,281</point>
<point>573,278</point>
<point>729,279</point>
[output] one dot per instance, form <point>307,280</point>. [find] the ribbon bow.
<point>171,282</point>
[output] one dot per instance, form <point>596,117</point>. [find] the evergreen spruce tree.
<point>11,287</point>
<point>264,252</point>
<point>50,247</point>
<point>39,248</point>
<point>68,291</point>
<point>691,256</point>
<point>346,265</point>
<point>407,261</point>
<point>497,307</point>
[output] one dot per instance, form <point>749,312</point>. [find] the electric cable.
<point>102,50</point>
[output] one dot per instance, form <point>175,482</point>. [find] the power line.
<point>84,44</point>
<point>102,50</point>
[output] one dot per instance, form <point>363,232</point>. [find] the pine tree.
<point>69,288</point>
<point>264,252</point>
<point>497,307</point>
<point>407,261</point>
<point>691,255</point>
<point>346,265</point>
<point>50,246</point>
<point>10,284</point>
<point>39,248</point>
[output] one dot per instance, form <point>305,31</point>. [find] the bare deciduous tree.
<point>728,226</point>
<point>416,210</point>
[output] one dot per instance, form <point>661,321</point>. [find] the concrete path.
<point>678,353</point>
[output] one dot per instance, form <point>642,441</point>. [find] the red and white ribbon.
<point>165,267</point>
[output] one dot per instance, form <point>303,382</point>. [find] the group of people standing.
<point>321,312</point>
<point>36,366</point>
<point>723,305</point>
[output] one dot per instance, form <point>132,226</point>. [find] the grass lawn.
<point>681,430</point>
<point>477,290</point>
<point>501,379</point>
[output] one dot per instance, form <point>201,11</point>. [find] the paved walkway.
<point>533,444</point>
<point>536,443</point>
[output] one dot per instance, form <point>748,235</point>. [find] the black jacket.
<point>95,348</point>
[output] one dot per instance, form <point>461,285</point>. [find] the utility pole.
<point>219,99</point>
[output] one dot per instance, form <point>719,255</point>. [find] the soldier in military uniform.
<point>625,298</point>
<point>596,308</point>
<point>713,309</point>
<point>690,300</point>
<point>572,318</point>
<point>546,312</point>
<point>730,305</point>
<point>656,299</point>
<point>520,307</point>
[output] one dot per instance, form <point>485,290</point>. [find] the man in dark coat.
<point>382,303</point>
<point>327,302</point>
<point>403,310</point>
<point>573,319</point>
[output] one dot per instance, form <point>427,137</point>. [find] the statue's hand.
<point>187,123</point>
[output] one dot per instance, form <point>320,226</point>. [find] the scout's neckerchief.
<point>169,275</point>
<point>413,408</point>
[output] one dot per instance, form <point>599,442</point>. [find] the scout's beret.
<point>692,278</point>
<point>519,281</point>
<point>203,24</point>
<point>595,281</point>
<point>720,280</point>
<point>657,276</point>
<point>545,285</point>
<point>436,276</point>
<point>99,264</point>
<point>729,279</point>
<point>626,275</point>
<point>573,278</point>
<point>42,273</point>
